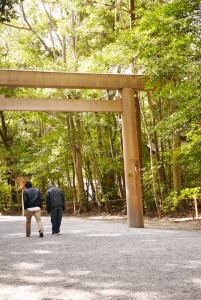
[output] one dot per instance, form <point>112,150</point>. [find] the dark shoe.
<point>40,233</point>
<point>27,235</point>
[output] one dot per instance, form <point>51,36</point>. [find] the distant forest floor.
<point>151,221</point>
<point>181,223</point>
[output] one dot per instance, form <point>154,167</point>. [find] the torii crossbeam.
<point>126,84</point>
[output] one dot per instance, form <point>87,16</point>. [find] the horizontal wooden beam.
<point>62,105</point>
<point>40,79</point>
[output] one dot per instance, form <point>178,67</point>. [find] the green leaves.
<point>164,44</point>
<point>7,10</point>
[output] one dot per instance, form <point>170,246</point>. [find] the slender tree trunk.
<point>77,160</point>
<point>132,13</point>
<point>117,16</point>
<point>176,165</point>
<point>160,166</point>
<point>64,50</point>
<point>7,140</point>
<point>95,180</point>
<point>108,179</point>
<point>154,180</point>
<point>122,193</point>
<point>74,38</point>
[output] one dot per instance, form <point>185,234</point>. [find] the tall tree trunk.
<point>117,16</point>
<point>132,13</point>
<point>7,140</point>
<point>64,49</point>
<point>74,38</point>
<point>176,164</point>
<point>95,180</point>
<point>77,160</point>
<point>160,166</point>
<point>108,179</point>
<point>154,179</point>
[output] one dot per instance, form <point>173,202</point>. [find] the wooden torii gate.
<point>127,85</point>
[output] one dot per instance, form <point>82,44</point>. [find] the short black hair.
<point>28,184</point>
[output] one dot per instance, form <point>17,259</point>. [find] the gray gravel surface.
<point>94,259</point>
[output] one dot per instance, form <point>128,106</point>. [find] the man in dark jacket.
<point>33,203</point>
<point>55,206</point>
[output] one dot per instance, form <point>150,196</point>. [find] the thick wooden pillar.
<point>131,159</point>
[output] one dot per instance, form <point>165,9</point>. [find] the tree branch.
<point>18,27</point>
<point>31,28</point>
<point>51,21</point>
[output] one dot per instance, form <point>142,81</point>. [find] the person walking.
<point>33,203</point>
<point>55,206</point>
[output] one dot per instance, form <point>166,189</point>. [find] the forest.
<point>82,152</point>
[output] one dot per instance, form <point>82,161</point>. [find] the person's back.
<point>55,206</point>
<point>54,198</point>
<point>32,198</point>
<point>32,204</point>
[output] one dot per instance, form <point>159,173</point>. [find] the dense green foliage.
<point>7,10</point>
<point>82,153</point>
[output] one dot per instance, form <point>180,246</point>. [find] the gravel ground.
<point>97,259</point>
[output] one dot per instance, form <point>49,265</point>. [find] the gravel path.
<point>94,259</point>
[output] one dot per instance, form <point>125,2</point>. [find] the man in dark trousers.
<point>55,206</point>
<point>33,203</point>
